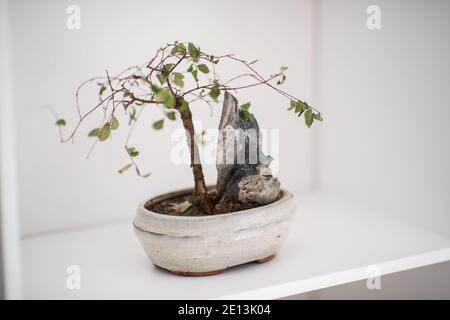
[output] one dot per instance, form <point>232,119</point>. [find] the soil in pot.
<point>171,206</point>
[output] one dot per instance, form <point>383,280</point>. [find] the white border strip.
<point>8,184</point>
<point>338,278</point>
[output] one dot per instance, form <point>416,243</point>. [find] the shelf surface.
<point>330,243</point>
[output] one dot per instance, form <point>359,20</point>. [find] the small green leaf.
<point>170,101</point>
<point>194,51</point>
<point>101,89</point>
<point>104,132</point>
<point>132,152</point>
<point>300,106</point>
<point>203,68</point>
<point>158,124</point>
<point>292,105</point>
<point>167,68</point>
<point>309,118</point>
<point>181,48</point>
<point>132,115</point>
<point>194,74</point>
<point>125,168</point>
<point>114,123</point>
<point>178,48</point>
<point>246,106</point>
<point>184,105</point>
<point>215,92</point>
<point>165,96</point>
<point>60,122</point>
<point>171,115</point>
<point>155,88</point>
<point>254,61</point>
<point>282,80</point>
<point>318,117</point>
<point>146,175</point>
<point>178,79</point>
<point>245,115</point>
<point>161,77</point>
<point>191,68</point>
<point>184,206</point>
<point>94,132</point>
<point>174,50</point>
<point>127,93</point>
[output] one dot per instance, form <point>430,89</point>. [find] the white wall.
<point>10,277</point>
<point>386,98</point>
<point>58,187</point>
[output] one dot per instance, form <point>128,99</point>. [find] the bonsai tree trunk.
<point>200,196</point>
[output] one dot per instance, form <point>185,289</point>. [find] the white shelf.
<point>331,243</point>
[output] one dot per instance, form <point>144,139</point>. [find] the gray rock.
<point>243,172</point>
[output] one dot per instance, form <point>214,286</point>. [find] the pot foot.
<point>266,259</point>
<point>197,274</point>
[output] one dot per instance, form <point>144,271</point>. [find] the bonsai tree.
<point>162,81</point>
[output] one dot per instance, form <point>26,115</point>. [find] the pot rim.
<point>285,196</point>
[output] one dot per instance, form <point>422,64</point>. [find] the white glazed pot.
<point>205,245</point>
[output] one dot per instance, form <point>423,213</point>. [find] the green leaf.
<point>194,74</point>
<point>132,115</point>
<point>246,106</point>
<point>309,118</point>
<point>318,117</point>
<point>178,48</point>
<point>60,122</point>
<point>101,89</point>
<point>178,79</point>
<point>125,168</point>
<point>292,105</point>
<point>184,105</point>
<point>158,124</point>
<point>194,51</point>
<point>132,152</point>
<point>165,96</point>
<point>114,123</point>
<point>245,115</point>
<point>254,61</point>
<point>94,132</point>
<point>184,206</point>
<point>104,132</point>
<point>203,68</point>
<point>282,80</point>
<point>167,68</point>
<point>155,88</point>
<point>127,93</point>
<point>161,77</point>
<point>215,92</point>
<point>300,106</point>
<point>171,115</point>
<point>191,68</point>
<point>146,175</point>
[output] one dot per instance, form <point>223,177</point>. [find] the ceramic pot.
<point>206,245</point>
